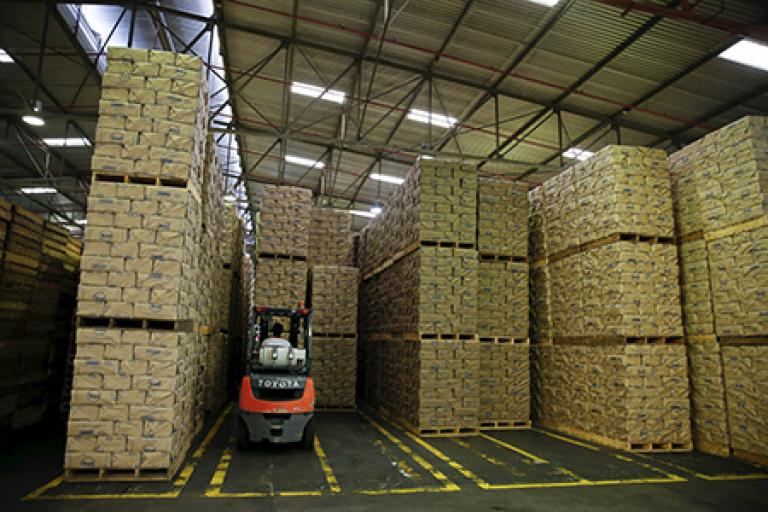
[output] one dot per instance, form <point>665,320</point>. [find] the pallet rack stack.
<point>139,360</point>
<point>334,286</point>
<point>418,313</point>
<point>614,370</point>
<point>502,303</point>
<point>720,189</point>
<point>38,261</point>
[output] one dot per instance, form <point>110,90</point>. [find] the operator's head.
<point>277,329</point>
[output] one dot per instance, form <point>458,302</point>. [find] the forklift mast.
<point>300,324</point>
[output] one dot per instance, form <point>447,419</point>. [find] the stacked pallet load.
<point>614,370</point>
<point>139,360</point>
<point>38,273</point>
<point>419,301</point>
<point>334,310</point>
<point>502,303</point>
<point>720,190</point>
<point>280,273</point>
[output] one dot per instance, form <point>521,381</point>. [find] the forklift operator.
<point>276,340</point>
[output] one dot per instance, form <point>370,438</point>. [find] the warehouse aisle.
<point>361,461</point>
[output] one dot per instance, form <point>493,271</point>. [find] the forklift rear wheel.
<point>308,440</point>
<point>242,435</point>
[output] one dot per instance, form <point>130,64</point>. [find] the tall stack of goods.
<point>280,273</point>
<point>38,273</point>
<point>334,309</point>
<point>614,368</point>
<point>139,360</point>
<point>502,303</point>
<point>418,301</point>
<point>720,189</point>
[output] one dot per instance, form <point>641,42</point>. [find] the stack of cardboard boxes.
<point>612,303</point>
<point>38,261</point>
<point>139,360</point>
<point>419,301</point>
<point>720,189</point>
<point>334,309</point>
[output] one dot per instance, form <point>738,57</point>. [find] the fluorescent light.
<point>81,222</point>
<point>68,142</point>
<point>314,91</point>
<point>306,162</point>
<point>362,213</point>
<point>387,179</point>
<point>33,120</point>
<point>548,3</point>
<point>423,116</point>
<point>4,57</point>
<point>376,209</point>
<point>38,190</point>
<point>578,154</point>
<point>426,157</point>
<point>230,198</point>
<point>748,53</point>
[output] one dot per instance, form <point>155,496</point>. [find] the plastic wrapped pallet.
<point>746,388</point>
<point>436,203</point>
<point>284,220</point>
<point>504,385</point>
<point>329,237</point>
<point>279,282</point>
<point>708,401</point>
<point>627,396</point>
<point>502,298</point>
<point>334,299</point>
<point>334,371</point>
<point>698,317</point>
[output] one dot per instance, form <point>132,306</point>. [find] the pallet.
<point>121,475</point>
<point>275,256</point>
<point>615,443</point>
<point>141,179</point>
<point>502,257</point>
<point>438,336</point>
<point>737,228</point>
<point>451,245</point>
<point>348,336</point>
<point>336,408</point>
<point>402,253</point>
<point>505,340</point>
<point>135,323</point>
<point>428,432</point>
<point>505,424</point>
<point>691,237</point>
<point>743,340</point>
<point>755,458</point>
<point>609,239</point>
<point>617,340</point>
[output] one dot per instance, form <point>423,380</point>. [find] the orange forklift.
<point>277,394</point>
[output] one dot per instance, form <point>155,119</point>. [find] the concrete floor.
<point>364,463</point>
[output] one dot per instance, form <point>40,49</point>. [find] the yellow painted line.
<point>178,484</point>
<point>584,483</point>
<point>568,440</point>
<point>330,477</point>
<point>437,474</point>
<point>710,478</point>
<point>649,467</point>
<point>216,493</point>
<point>534,458</point>
<point>404,490</point>
<point>482,455</point>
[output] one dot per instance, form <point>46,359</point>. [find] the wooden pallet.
<point>438,336</point>
<point>609,239</point>
<point>504,424</point>
<point>502,257</point>
<point>121,475</point>
<point>336,408</point>
<point>348,336</point>
<point>617,340</point>
<point>135,323</point>
<point>402,253</point>
<point>453,245</point>
<point>275,256</point>
<point>737,228</point>
<point>504,339</point>
<point>431,431</point>
<point>743,340</point>
<point>691,237</point>
<point>141,179</point>
<point>615,443</point>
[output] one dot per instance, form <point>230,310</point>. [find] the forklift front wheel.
<point>308,440</point>
<point>243,441</point>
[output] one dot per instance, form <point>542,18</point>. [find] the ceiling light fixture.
<point>749,53</point>
<point>66,142</point>
<point>230,198</point>
<point>422,116</point>
<point>548,3</point>
<point>387,179</point>
<point>81,222</point>
<point>35,119</point>
<point>314,91</point>
<point>38,190</point>
<point>5,58</point>
<point>578,154</point>
<point>306,162</point>
<point>363,213</point>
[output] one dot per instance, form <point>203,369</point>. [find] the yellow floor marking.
<point>178,484</point>
<point>584,483</point>
<point>568,440</point>
<point>711,478</point>
<point>437,474</point>
<point>333,484</point>
<point>484,456</point>
<point>534,458</point>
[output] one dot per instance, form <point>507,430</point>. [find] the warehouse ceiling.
<point>336,94</point>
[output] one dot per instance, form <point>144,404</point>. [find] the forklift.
<point>277,395</point>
